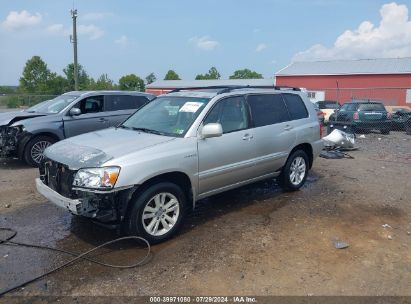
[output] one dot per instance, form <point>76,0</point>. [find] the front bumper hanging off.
<point>75,206</point>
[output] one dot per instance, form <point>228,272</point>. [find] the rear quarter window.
<point>295,106</point>
<point>267,109</point>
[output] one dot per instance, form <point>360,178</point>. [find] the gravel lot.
<point>256,240</point>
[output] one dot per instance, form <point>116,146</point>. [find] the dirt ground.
<point>256,240</point>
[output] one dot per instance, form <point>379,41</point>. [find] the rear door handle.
<point>288,127</point>
<point>103,120</point>
<point>247,137</point>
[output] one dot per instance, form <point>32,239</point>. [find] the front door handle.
<point>103,120</point>
<point>247,137</point>
<point>288,127</point>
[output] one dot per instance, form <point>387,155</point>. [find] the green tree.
<point>131,83</point>
<point>212,74</point>
<point>35,76</point>
<point>57,84</point>
<point>151,78</point>
<point>7,89</point>
<point>246,74</point>
<point>84,79</point>
<point>171,75</point>
<point>103,83</point>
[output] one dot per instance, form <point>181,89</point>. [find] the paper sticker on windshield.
<point>191,107</point>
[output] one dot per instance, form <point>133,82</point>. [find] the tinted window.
<point>124,102</point>
<point>267,109</point>
<point>295,106</point>
<point>93,104</point>
<point>231,113</point>
<point>371,107</point>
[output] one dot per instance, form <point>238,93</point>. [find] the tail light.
<point>356,116</point>
<point>321,130</point>
<point>389,115</point>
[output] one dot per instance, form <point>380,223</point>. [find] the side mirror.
<point>75,112</point>
<point>211,130</point>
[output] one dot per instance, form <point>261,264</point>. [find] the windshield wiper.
<point>145,130</point>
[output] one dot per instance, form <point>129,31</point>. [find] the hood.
<point>8,118</point>
<point>95,148</point>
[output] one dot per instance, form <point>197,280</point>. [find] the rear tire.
<point>295,171</point>
<point>148,217</point>
<point>33,153</point>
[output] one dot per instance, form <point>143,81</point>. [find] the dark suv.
<point>361,116</point>
<point>25,134</point>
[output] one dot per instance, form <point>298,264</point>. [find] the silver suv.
<point>183,146</point>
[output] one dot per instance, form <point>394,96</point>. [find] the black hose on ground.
<point>8,242</point>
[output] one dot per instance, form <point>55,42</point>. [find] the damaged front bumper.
<point>9,141</point>
<point>75,206</point>
<point>55,184</point>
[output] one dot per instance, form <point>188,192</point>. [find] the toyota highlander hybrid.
<point>144,174</point>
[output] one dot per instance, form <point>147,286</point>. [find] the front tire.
<point>295,171</point>
<point>33,153</point>
<point>157,213</point>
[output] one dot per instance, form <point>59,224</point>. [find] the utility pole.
<point>74,41</point>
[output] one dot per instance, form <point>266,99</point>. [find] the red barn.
<point>388,80</point>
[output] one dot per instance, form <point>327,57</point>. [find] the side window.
<point>295,106</point>
<point>124,102</point>
<point>231,113</point>
<point>93,104</point>
<point>267,109</point>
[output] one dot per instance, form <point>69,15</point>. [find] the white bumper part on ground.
<point>74,206</point>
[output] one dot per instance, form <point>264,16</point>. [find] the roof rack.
<point>229,88</point>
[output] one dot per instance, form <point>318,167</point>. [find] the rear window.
<point>371,107</point>
<point>124,102</point>
<point>267,109</point>
<point>295,106</point>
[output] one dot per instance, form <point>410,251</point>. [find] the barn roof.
<point>348,67</point>
<point>175,84</point>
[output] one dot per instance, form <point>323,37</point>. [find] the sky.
<point>120,37</point>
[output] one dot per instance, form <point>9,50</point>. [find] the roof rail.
<point>229,88</point>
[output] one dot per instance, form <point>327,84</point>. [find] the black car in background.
<point>399,118</point>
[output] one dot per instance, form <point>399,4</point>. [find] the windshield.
<point>328,105</point>
<point>349,107</point>
<point>167,115</point>
<point>52,106</point>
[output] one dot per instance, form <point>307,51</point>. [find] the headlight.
<point>97,178</point>
<point>19,128</point>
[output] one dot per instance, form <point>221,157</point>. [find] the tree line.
<point>38,79</point>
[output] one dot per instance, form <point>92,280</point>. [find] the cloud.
<point>391,38</point>
<point>95,16</point>
<point>122,41</point>
<point>261,47</point>
<point>204,43</point>
<point>92,31</point>
<point>58,29</point>
<point>19,20</point>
